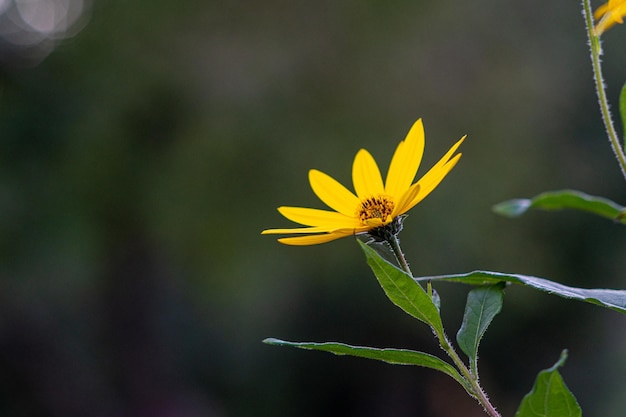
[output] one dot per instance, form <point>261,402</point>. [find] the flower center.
<point>379,207</point>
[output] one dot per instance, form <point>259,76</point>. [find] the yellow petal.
<point>616,7</point>
<point>446,158</point>
<point>435,175</point>
<point>600,11</point>
<point>620,13</point>
<point>604,24</point>
<point>311,240</point>
<point>431,180</point>
<point>405,162</point>
<point>402,206</point>
<point>375,222</point>
<point>331,192</point>
<point>297,230</point>
<point>315,217</point>
<point>608,15</point>
<point>352,230</point>
<point>366,176</point>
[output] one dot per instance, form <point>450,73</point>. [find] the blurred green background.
<point>144,150</point>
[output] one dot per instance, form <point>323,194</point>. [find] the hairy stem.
<point>477,391</point>
<point>394,244</point>
<point>596,51</point>
<point>474,388</point>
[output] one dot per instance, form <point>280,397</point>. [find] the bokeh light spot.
<point>31,29</point>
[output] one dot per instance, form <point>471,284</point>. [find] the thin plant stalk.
<point>476,390</point>
<point>394,244</point>
<point>596,51</point>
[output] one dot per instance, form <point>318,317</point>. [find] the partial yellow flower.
<point>376,208</point>
<point>608,15</point>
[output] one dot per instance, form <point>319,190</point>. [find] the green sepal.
<point>403,290</point>
<point>550,397</point>
<point>392,356</point>
<point>613,299</point>
<point>561,200</point>
<point>483,304</point>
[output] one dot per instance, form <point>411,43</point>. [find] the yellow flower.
<point>609,14</point>
<point>376,208</point>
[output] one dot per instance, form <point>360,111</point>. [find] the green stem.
<point>596,51</point>
<point>477,390</point>
<point>474,388</point>
<point>394,244</point>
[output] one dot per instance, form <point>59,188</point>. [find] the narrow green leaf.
<point>392,356</point>
<point>613,299</point>
<point>483,303</point>
<point>622,110</point>
<point>550,397</point>
<point>403,290</point>
<point>561,200</point>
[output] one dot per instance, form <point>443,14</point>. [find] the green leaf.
<point>392,356</point>
<point>622,110</point>
<point>403,290</point>
<point>483,303</point>
<point>550,397</point>
<point>561,200</point>
<point>613,299</point>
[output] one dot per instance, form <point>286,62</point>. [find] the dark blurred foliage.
<point>142,157</point>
